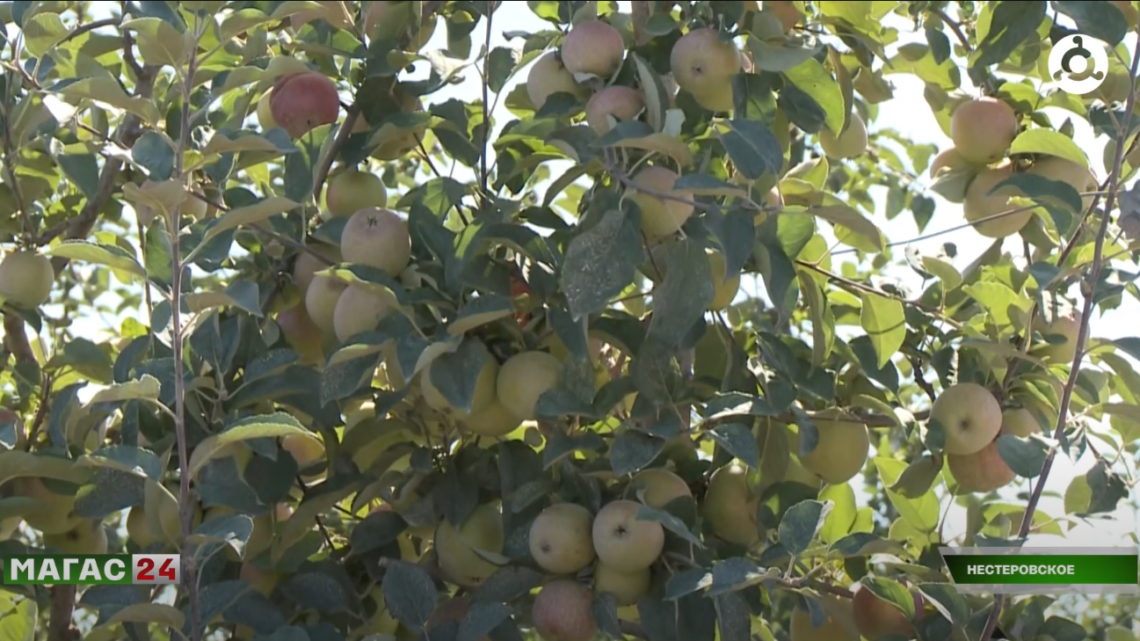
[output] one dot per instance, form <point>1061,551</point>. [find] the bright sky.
<point>909,115</point>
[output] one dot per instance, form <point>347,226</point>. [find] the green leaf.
<point>943,271</point>
<point>601,262</point>
<point>948,601</point>
<point>753,148</point>
<point>242,294</point>
<point>109,92</point>
<point>801,523</point>
<point>813,79</point>
<point>841,518</point>
<point>1049,143</point>
<point>145,388</point>
<point>125,458</point>
<point>250,215</point>
<point>1011,23</point>
<point>20,623</point>
<point>737,573</point>
<point>480,311</point>
<point>158,41</point>
<point>656,100</point>
<point>681,301</point>
<point>268,426</point>
<point>670,522</point>
<point>884,320</point>
<point>996,298</point>
<point>409,593</point>
<point>918,477</point>
<point>83,170</point>
<point>822,317</point>
<point>845,217</point>
<point>738,440</point>
<point>1100,20</point>
<point>165,615</point>
<point>155,153</point>
<point>42,32</point>
<point>455,373</point>
<point>921,513</point>
<point>633,450</point>
<point>481,619</point>
<point>111,256</point>
<point>1024,456</point>
<point>892,592</point>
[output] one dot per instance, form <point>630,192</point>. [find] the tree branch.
<point>955,27</point>
<point>342,134</point>
<point>62,609</point>
<point>485,130</point>
<point>185,504</point>
<point>1082,339</point>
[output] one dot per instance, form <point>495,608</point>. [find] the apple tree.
<point>622,343</point>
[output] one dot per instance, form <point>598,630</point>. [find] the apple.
<point>877,619</point>
<point>561,540</point>
<point>56,515</point>
<point>797,473</point>
<point>983,129</point>
<point>1131,16</point>
<point>140,531</point>
<point>377,237</point>
<point>301,102</point>
<point>660,486</point>
<point>306,264</point>
<point>704,65</point>
<point>619,101</point>
<point>730,506</point>
<point>1076,176</point>
<point>982,471</point>
<point>301,333</point>
<point>980,204</point>
<point>627,587</point>
<point>484,389</point>
<point>89,537</point>
<point>548,76</point>
<point>1020,422</point>
<point>849,143</point>
<point>660,217</point>
<point>841,450</point>
<point>263,581</point>
<point>26,279</point>
<point>358,310</point>
<point>306,451</point>
<point>456,548</point>
<point>949,160</point>
<point>523,379</point>
<point>785,11</point>
<point>321,299</point>
<point>192,208</point>
<point>493,420</point>
<point>351,190</point>
<point>593,47</point>
<point>624,542</point>
<point>381,621</point>
<point>394,20</point>
<point>563,611</point>
<point>1066,328</point>
<point>801,628</point>
<point>969,415</point>
<point>725,290</point>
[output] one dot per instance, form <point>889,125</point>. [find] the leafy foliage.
<point>357,450</point>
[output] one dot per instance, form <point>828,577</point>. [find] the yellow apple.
<point>658,487</point>
<point>26,279</point>
<point>351,190</point>
<point>801,628</point>
<point>660,217</point>
<point>560,538</point>
<point>1020,422</point>
<point>377,237</point>
<point>1065,328</point>
<point>970,417</point>
<point>624,542</point>
<point>55,515</point>
<point>627,587</point>
<point>982,471</point>
<point>483,396</point>
<point>877,619</point>
<point>456,548</point>
<point>523,379</point>
<point>731,505</point>
<point>842,448</point>
<point>983,129</point>
<point>704,66</point>
<point>849,143</point>
<point>360,309</point>
<point>548,76</point>
<point>493,420</point>
<point>980,205</point>
<point>593,47</point>
<point>89,537</point>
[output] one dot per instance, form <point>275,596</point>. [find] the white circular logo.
<point>1078,64</point>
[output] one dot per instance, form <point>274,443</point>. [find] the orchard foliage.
<point>385,368</point>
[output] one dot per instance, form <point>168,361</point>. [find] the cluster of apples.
<point>983,131</point>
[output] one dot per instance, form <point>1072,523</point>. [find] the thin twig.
<point>342,134</point>
<point>486,129</point>
<point>955,27</point>
<point>90,26</point>
<point>1082,339</point>
<point>185,503</point>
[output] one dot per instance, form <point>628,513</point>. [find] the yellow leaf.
<point>108,92</point>
<point>159,42</point>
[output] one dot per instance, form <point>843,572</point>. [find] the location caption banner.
<point>1044,570</point>
<point>92,569</point>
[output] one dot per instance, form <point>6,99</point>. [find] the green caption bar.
<point>69,569</point>
<point>1044,570</point>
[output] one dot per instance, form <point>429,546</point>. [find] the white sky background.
<point>908,114</point>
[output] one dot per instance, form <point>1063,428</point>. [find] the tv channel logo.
<point>1078,64</point>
